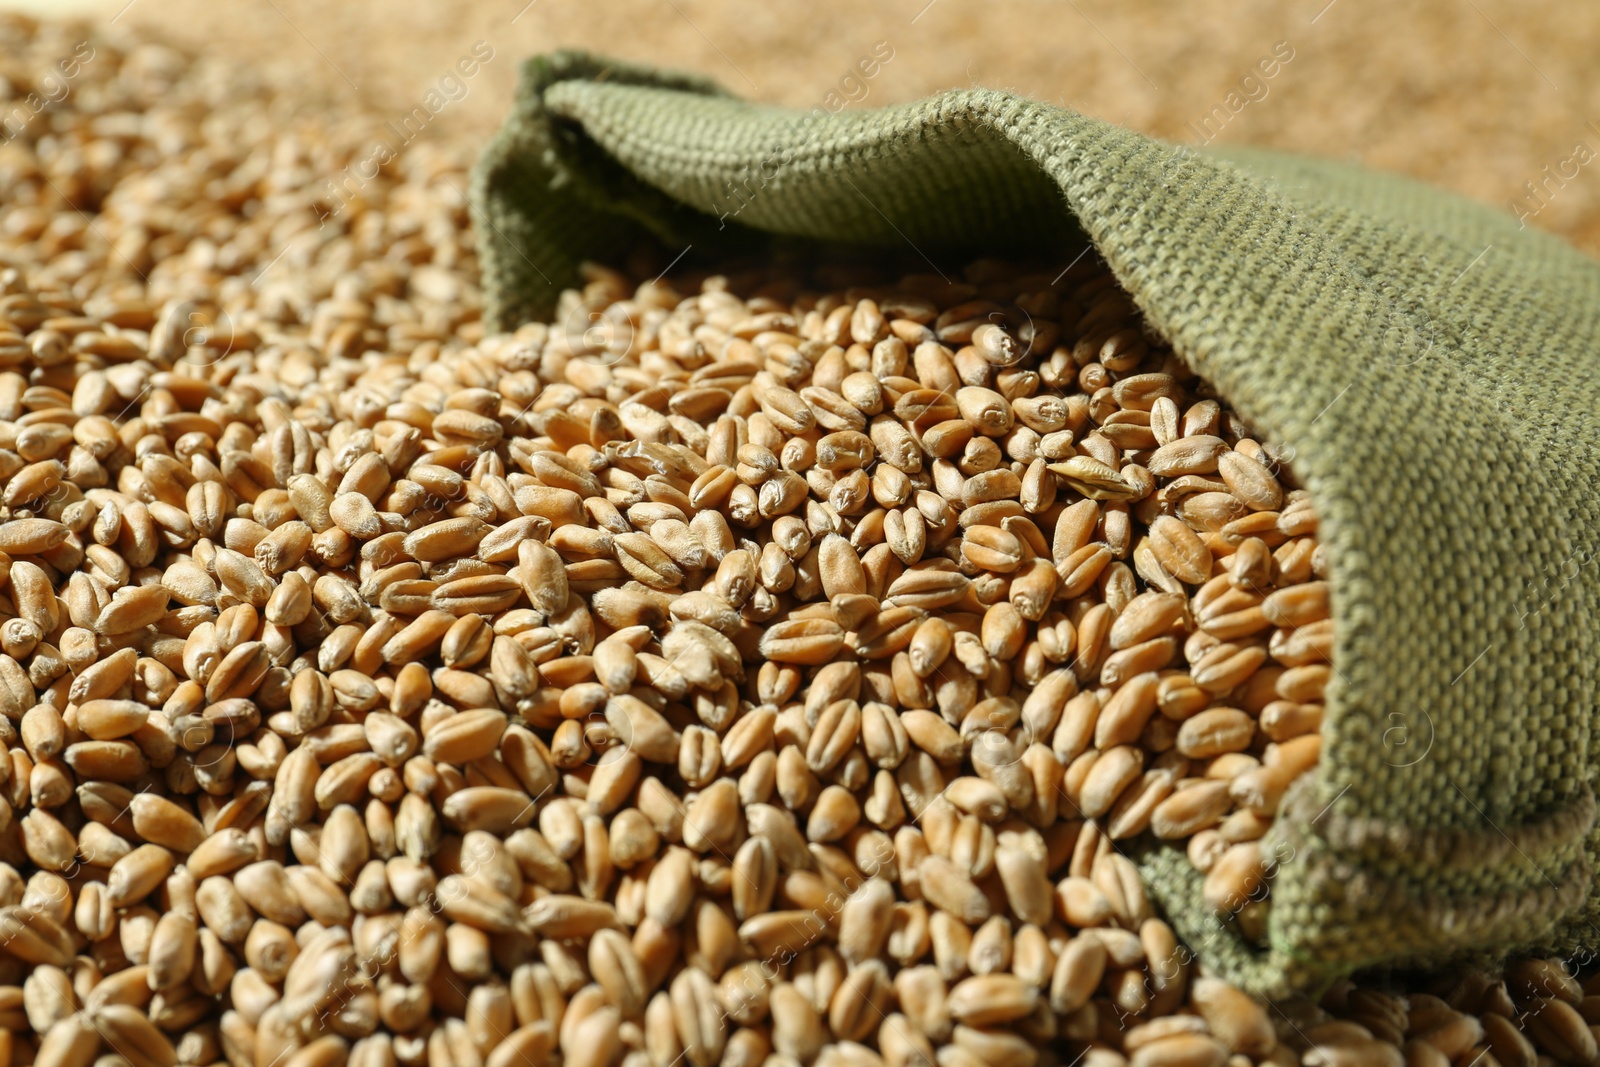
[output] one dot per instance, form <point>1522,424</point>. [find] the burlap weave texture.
<point>1435,369</point>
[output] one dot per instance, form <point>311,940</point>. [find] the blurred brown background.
<point>1480,96</point>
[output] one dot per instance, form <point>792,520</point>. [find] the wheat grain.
<point>767,681</point>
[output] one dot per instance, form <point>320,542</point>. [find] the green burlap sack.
<point>1433,367</point>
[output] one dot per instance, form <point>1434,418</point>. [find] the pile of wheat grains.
<point>746,669</point>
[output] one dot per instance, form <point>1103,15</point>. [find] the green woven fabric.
<point>1433,367</point>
